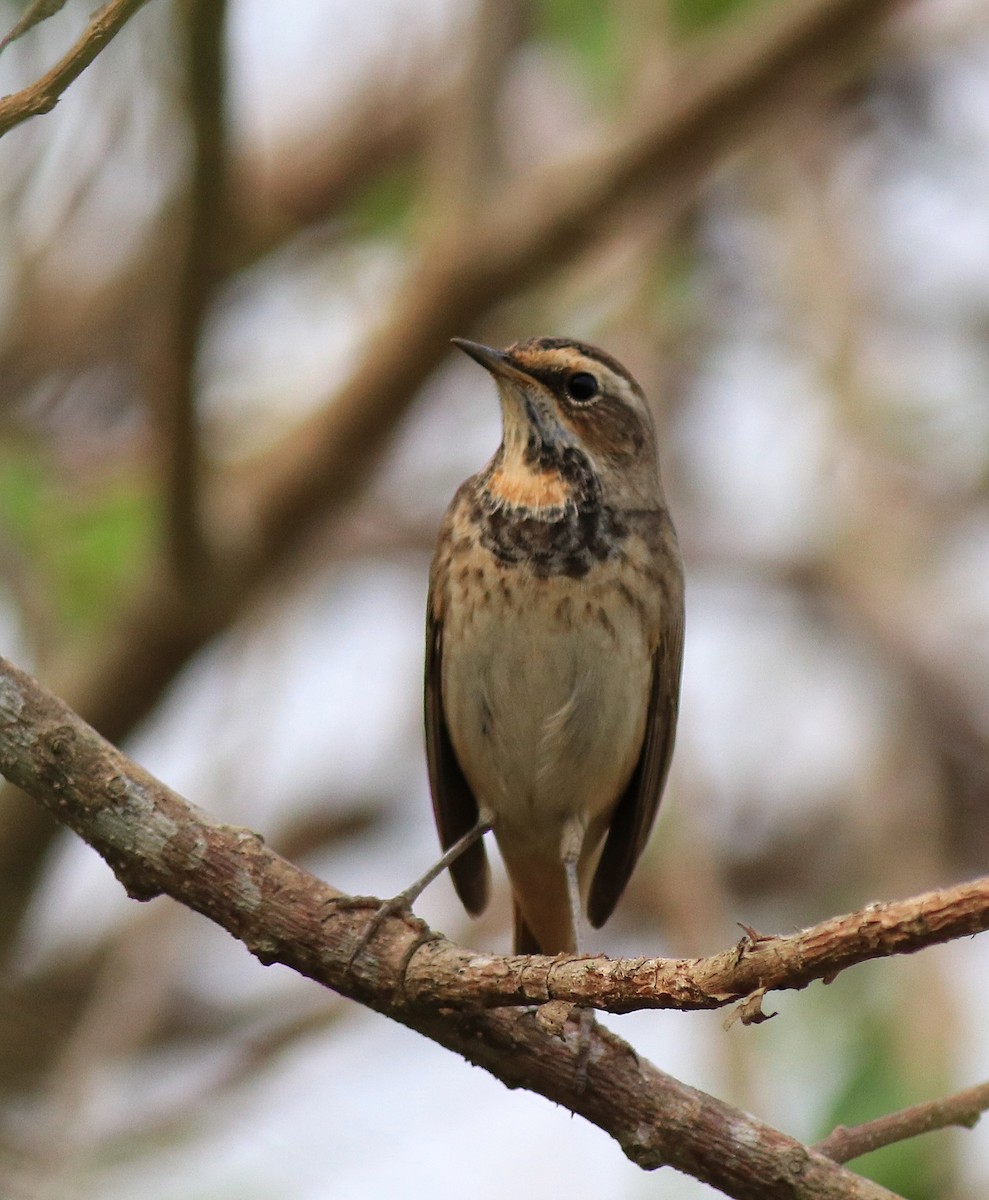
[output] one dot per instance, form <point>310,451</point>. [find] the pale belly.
<point>545,699</point>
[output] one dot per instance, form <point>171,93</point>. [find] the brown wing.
<point>637,807</point>
<point>454,804</point>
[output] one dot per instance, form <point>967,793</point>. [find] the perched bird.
<point>554,642</point>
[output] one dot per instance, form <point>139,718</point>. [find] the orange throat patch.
<point>517,486</point>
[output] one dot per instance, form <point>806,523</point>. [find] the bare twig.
<point>962,1108</point>
<point>156,843</point>
<point>43,1009</point>
<point>36,12</point>
<point>42,95</point>
<point>751,968</point>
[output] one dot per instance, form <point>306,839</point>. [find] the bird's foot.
<point>402,903</point>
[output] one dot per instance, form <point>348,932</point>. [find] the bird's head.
<point>568,408</point>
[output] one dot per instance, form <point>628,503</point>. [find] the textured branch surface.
<point>157,843</point>
<point>451,976</point>
<point>42,95</point>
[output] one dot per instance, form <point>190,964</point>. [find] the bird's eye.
<point>582,386</point>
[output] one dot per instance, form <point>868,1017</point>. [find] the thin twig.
<point>750,969</point>
<point>962,1108</point>
<point>42,95</point>
<point>36,12</point>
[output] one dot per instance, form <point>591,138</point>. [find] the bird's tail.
<point>525,941</point>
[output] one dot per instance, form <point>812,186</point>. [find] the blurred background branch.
<point>544,220</point>
<point>177,334</point>
<point>232,260</point>
<point>42,95</point>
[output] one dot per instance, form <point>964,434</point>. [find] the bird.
<point>554,642</point>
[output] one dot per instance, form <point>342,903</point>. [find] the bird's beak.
<point>489,358</point>
<point>523,410</point>
<point>500,364</point>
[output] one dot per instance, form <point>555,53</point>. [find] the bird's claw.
<point>402,903</point>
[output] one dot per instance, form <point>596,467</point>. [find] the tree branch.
<point>157,843</point>
<point>447,975</point>
<point>42,95</point>
<point>963,1108</point>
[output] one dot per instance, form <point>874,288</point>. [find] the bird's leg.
<point>572,841</point>
<point>408,897</point>
<point>405,899</point>
<point>573,900</point>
